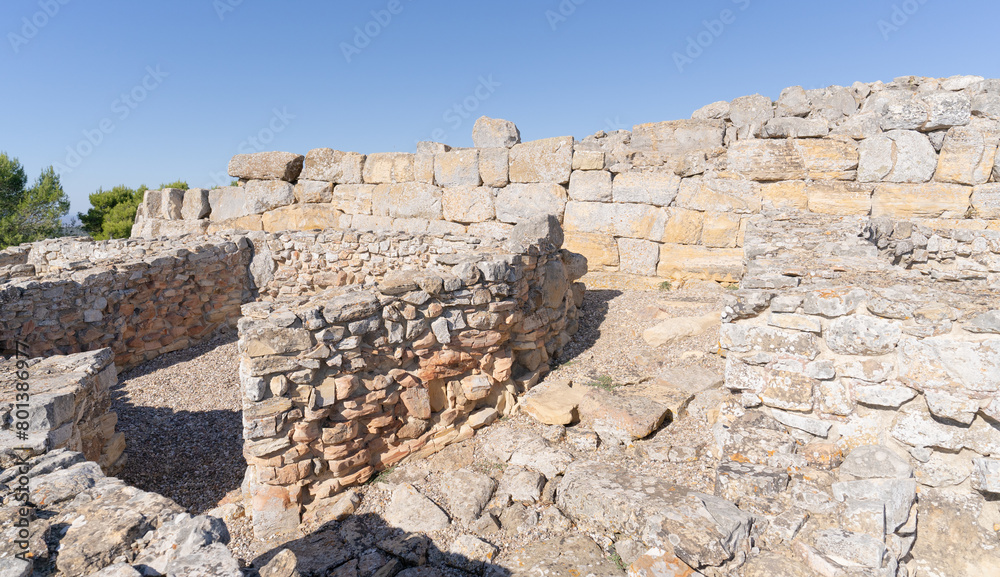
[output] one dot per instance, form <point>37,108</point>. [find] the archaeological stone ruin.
<point>391,308</point>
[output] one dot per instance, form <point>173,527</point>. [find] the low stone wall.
<point>666,199</point>
<point>68,406</point>
<point>344,383</point>
<point>848,349</point>
<point>138,298</point>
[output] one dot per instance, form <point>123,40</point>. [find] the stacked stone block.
<point>349,381</point>
<point>853,332</point>
<point>666,199</point>
<point>69,408</point>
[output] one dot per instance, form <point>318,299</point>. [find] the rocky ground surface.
<point>629,458</point>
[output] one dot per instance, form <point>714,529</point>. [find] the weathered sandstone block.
<point>591,185</point>
<point>696,262</point>
<point>678,136</point>
<point>307,191</point>
<point>494,166</point>
<point>703,194</point>
<point>921,201</point>
<point>495,133</point>
<point>264,195</point>
<point>267,166</point>
<point>226,203</point>
<point>770,160</point>
<point>407,200</point>
<point>196,204</point>
<point>624,220</point>
<point>516,203</point>
<point>333,166</point>
<point>467,204</point>
<point>457,168</point>
<point>301,217</point>
<point>968,155</point>
<point>548,160</point>
<point>601,250</point>
<point>638,256</point>
<point>657,188</point>
<point>388,167</point>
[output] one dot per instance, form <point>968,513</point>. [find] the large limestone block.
<point>267,166</point>
<point>721,229</point>
<point>683,226</point>
<point>495,133</point>
<point>590,185</point>
<point>265,195</point>
<point>716,194</point>
<point>716,110</point>
<point>176,228</point>
<point>313,191</point>
<point>227,202</point>
<point>832,103</point>
<point>749,115</point>
<point>968,155</point>
<point>301,217</point>
<point>685,262</point>
<point>457,168</point>
<point>388,168</point>
<point>407,200</point>
<point>601,250</point>
<point>613,219</point>
<point>196,205</point>
<point>840,198</point>
<point>172,203</point>
<point>795,159</point>
<point>986,200</point>
<point>554,402</point>
<point>152,200</point>
<point>468,204</point>
<point>246,222</point>
<point>897,110</point>
<point>678,136</point>
<point>333,166</point>
<point>914,157</point>
<point>790,194</point>
<point>796,128</point>
<point>946,109</point>
<point>658,188</point>
<point>588,160</point>
<point>353,198</point>
<point>516,203</point>
<point>877,156</point>
<point>548,160</point>
<point>793,101</point>
<point>494,166</point>
<point>932,200</point>
<point>638,256</point>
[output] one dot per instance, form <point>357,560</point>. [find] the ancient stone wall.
<point>138,298</point>
<point>347,382</point>
<point>853,332</point>
<point>68,407</point>
<point>667,199</point>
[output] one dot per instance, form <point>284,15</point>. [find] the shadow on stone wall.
<point>365,545</point>
<point>192,457</point>
<point>592,315</point>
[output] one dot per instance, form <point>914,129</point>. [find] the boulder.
<point>495,133</point>
<point>267,166</point>
<point>328,165</point>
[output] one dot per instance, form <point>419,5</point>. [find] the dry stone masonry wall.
<point>349,381</point>
<point>140,298</point>
<point>666,199</point>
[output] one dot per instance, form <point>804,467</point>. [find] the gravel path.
<point>181,415</point>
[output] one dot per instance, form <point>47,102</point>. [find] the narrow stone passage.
<point>181,417</point>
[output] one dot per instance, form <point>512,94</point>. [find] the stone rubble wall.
<point>140,298</point>
<point>667,199</point>
<point>69,408</point>
<point>854,331</point>
<point>350,381</point>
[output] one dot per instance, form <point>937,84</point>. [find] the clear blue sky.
<point>171,90</point>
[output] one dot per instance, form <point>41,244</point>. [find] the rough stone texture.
<point>326,164</point>
<point>267,166</point>
<point>548,160</point>
<point>495,133</point>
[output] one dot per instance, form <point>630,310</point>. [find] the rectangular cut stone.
<point>494,166</point>
<point>698,262</point>
<point>407,200</point>
<point>171,203</point>
<point>720,229</point>
<point>423,168</point>
<point>706,194</point>
<point>457,168</point>
<point>267,166</point>
<point>590,185</point>
<point>227,202</point>
<point>388,167</point>
<point>794,159</point>
<point>548,160</point>
<point>676,137</point>
<point>986,200</point>
<point>333,166</point>
<point>353,198</point>
<point>588,160</point>
<point>196,204</point>
<point>790,194</point>
<point>301,217</point>
<point>638,256</point>
<point>840,198</point>
<point>968,155</point>
<point>683,226</point>
<point>601,250</point>
<point>931,200</point>
<point>468,204</point>
<point>265,195</point>
<point>516,203</point>
<point>313,191</point>
<point>656,188</point>
<point>622,220</point>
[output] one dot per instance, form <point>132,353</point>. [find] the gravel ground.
<point>181,415</point>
